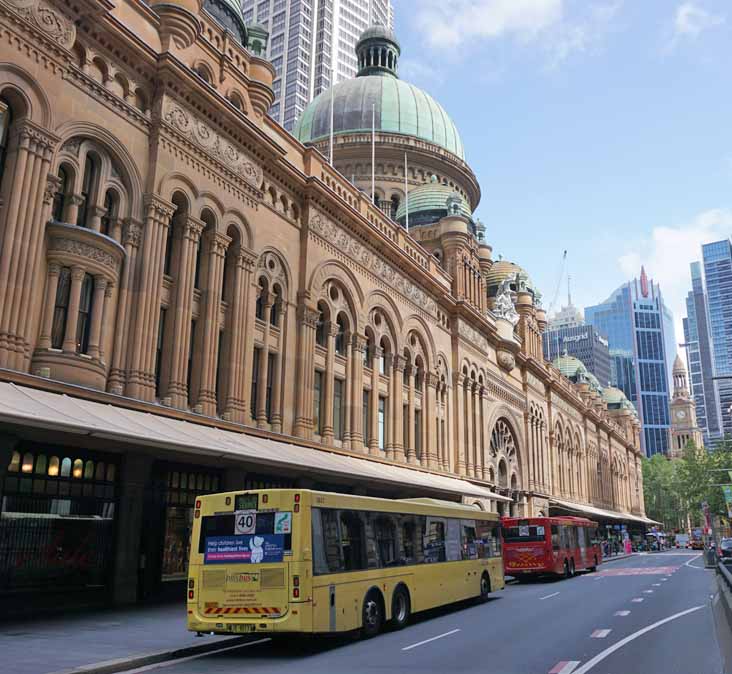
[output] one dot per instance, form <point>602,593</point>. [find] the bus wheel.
<point>594,568</point>
<point>400,608</point>
<point>485,586</point>
<point>566,569</point>
<point>571,568</point>
<point>373,615</point>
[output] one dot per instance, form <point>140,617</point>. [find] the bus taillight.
<point>296,581</point>
<point>198,504</point>
<point>297,498</point>
<point>191,583</point>
<point>190,594</point>
<point>296,592</point>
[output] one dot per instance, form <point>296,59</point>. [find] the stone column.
<point>106,319</point>
<point>307,319</point>
<point>72,315</point>
<point>398,417</point>
<point>430,458</point>
<point>141,374</point>
<point>182,307</point>
<point>459,416</point>
<point>95,331</point>
<point>131,237</point>
<point>357,349</point>
<point>374,450</point>
<point>467,393</point>
<point>486,432</point>
<point>236,397</point>
<point>21,239</point>
<point>348,393</point>
<point>96,213</point>
<point>262,421</point>
<point>328,386</point>
<point>215,277</point>
<point>276,424</point>
<point>410,449</point>
<point>44,339</point>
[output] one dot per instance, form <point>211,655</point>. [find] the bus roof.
<point>556,519</point>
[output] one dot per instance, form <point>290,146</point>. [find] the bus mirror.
<point>307,555</point>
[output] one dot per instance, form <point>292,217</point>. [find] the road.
<point>647,614</point>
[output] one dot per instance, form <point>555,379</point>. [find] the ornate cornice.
<point>353,249</point>
<point>47,19</point>
<point>204,137</point>
<point>473,337</point>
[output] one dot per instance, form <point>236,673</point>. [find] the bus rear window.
<point>524,534</point>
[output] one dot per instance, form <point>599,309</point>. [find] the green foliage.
<point>675,489</point>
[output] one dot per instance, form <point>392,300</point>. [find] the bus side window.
<point>353,540</point>
<point>409,545</point>
<point>433,539</point>
<point>326,545</point>
<point>496,541</point>
<point>555,537</point>
<point>383,529</point>
<point>468,540</point>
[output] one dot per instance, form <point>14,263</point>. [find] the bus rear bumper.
<point>295,620</point>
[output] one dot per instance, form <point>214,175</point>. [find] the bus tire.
<point>485,586</point>
<point>594,568</point>
<point>566,568</point>
<point>401,607</point>
<point>571,568</point>
<point>372,614</point>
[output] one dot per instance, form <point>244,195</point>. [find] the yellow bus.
<point>295,560</point>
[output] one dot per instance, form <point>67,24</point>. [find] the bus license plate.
<point>242,628</point>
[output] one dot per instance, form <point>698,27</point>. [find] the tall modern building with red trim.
<point>640,332</point>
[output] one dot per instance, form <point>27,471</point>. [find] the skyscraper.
<point>699,357</point>
<point>312,44</point>
<point>717,259</point>
<point>640,332</point>
<point>583,342</point>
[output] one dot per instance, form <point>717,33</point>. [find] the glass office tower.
<point>717,259</point>
<point>640,332</point>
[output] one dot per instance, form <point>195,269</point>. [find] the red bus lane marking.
<point>638,571</point>
<point>564,667</point>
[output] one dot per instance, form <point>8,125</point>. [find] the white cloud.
<point>691,20</point>
<point>556,28</point>
<point>669,250</point>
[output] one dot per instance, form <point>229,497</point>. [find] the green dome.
<point>570,366</point>
<point>428,202</point>
<point>378,32</point>
<point>399,107</point>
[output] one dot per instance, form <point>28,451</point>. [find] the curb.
<point>142,659</point>
<point>618,557</point>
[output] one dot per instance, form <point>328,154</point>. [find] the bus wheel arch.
<point>401,606</point>
<point>372,612</point>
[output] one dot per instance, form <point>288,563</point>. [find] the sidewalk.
<point>61,644</point>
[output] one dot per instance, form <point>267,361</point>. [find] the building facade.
<point>640,332</point>
<point>684,426</point>
<point>192,300</point>
<point>700,358</point>
<point>717,259</point>
<point>312,45</point>
<point>584,342</point>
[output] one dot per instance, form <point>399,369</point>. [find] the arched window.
<point>502,474</point>
<point>385,351</point>
<point>340,338</point>
<point>59,197</point>
<point>6,121</point>
<point>394,206</point>
<point>83,324</point>
<point>27,466</point>
<point>274,312</point>
<point>321,336</point>
<point>110,210</point>
<point>261,298</point>
<point>87,185</point>
<point>41,464</point>
<point>78,470</point>
<point>61,308</point>
<point>53,467</point>
<point>418,373</point>
<point>66,467</point>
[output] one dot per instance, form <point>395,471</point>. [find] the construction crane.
<point>562,267</point>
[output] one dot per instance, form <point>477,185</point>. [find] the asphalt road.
<point>609,622</point>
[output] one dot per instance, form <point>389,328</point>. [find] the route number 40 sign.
<point>245,522</point>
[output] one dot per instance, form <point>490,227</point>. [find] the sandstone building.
<point>191,300</point>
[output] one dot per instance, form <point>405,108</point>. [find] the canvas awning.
<point>592,511</point>
<point>36,408</point>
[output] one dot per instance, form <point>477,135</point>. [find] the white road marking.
<point>637,600</point>
<point>600,634</point>
<point>426,641</point>
<point>656,584</point>
<point>622,613</point>
<point>168,663</point>
<point>564,667</point>
<point>647,591</point>
<point>690,565</point>
<point>549,596</point>
<point>663,580</point>
<point>619,644</point>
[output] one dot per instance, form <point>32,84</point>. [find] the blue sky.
<point>603,127</point>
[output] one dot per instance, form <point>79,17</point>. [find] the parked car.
<point>682,540</point>
<point>725,548</point>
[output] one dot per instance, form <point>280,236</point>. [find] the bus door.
<point>245,571</point>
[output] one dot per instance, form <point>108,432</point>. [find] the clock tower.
<point>683,414</point>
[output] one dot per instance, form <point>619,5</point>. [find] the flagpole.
<point>373,153</point>
<point>406,191</point>
<point>330,154</point>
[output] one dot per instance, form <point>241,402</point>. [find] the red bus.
<point>557,545</point>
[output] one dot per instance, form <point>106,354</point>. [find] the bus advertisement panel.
<point>284,560</point>
<point>556,545</point>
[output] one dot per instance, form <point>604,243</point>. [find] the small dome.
<point>594,382</point>
<point>572,368</point>
<point>501,270</point>
<point>378,32</point>
<point>428,204</point>
<point>612,395</point>
<point>228,13</point>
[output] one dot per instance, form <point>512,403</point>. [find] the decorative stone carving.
<point>506,360</point>
<point>209,141</point>
<point>132,234</point>
<point>358,253</point>
<point>504,307</point>
<point>82,249</point>
<point>48,19</point>
<point>471,335</point>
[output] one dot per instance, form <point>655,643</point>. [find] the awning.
<point>592,511</point>
<point>59,412</point>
